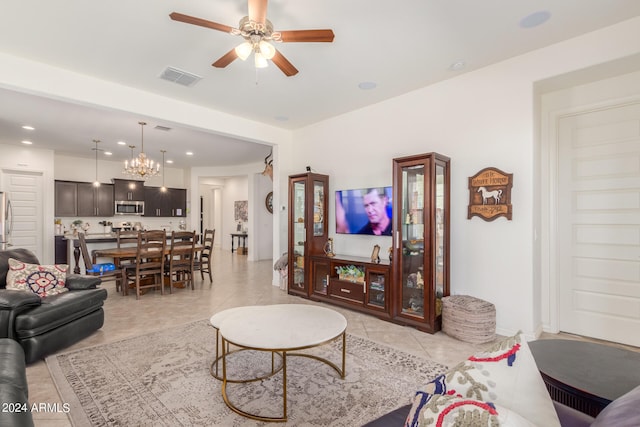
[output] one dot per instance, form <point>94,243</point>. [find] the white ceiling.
<point>400,46</point>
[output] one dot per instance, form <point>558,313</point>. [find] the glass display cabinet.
<point>421,239</point>
<point>308,229</point>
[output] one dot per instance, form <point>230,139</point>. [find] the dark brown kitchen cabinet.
<point>66,198</point>
<point>128,190</point>
<point>169,203</point>
<point>73,199</point>
<point>95,201</point>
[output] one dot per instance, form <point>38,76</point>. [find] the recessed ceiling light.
<point>535,19</point>
<point>108,153</point>
<point>122,143</point>
<point>189,153</point>
<point>27,142</point>
<point>367,85</point>
<point>27,127</point>
<point>169,161</point>
<point>457,66</point>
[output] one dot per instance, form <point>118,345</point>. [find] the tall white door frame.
<point>549,181</point>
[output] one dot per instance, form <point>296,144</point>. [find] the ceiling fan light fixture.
<point>260,60</point>
<point>244,50</point>
<point>266,49</point>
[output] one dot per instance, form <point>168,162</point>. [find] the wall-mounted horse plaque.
<point>490,194</point>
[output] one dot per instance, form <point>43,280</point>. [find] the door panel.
<point>25,193</point>
<point>599,223</point>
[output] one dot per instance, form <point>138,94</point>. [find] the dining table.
<point>128,252</point>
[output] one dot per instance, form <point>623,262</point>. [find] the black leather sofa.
<point>43,326</point>
<point>14,394</point>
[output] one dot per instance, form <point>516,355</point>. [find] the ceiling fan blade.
<point>283,63</point>
<point>226,59</point>
<point>201,22</point>
<point>307,36</point>
<point>258,10</point>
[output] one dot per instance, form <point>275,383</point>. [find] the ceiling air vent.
<point>180,77</point>
<point>164,128</point>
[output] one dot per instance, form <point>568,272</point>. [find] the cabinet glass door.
<point>376,283</point>
<point>440,251</point>
<point>321,271</point>
<point>318,208</point>
<point>299,233</point>
<point>412,252</point>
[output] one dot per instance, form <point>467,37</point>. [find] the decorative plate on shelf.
<point>269,202</point>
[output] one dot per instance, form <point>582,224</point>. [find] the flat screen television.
<point>364,211</point>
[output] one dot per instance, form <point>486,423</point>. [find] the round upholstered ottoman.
<point>468,319</point>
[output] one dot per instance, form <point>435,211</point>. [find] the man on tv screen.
<point>375,205</point>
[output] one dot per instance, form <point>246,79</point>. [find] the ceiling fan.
<point>257,31</point>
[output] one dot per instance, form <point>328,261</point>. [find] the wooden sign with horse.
<point>490,194</point>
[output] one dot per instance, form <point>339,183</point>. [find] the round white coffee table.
<point>282,328</point>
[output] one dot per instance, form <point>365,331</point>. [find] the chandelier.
<point>141,167</point>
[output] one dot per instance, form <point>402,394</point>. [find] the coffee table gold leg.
<point>344,353</point>
<point>284,385</point>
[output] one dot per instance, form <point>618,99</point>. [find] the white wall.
<point>239,183</point>
<point>479,119</point>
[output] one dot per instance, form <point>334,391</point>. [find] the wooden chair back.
<point>108,275</point>
<point>205,255</point>
<point>126,238</point>
<point>181,257</point>
<point>148,270</point>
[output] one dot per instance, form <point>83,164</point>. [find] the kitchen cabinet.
<point>95,201</point>
<point>169,203</point>
<point>81,199</point>
<point>128,190</point>
<point>421,199</point>
<point>66,198</point>
<point>308,229</point>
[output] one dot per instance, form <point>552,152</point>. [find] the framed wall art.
<point>241,210</point>
<point>490,194</point>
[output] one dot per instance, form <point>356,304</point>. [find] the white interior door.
<point>599,223</point>
<point>24,191</point>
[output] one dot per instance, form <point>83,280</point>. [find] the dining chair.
<point>126,238</point>
<point>148,269</point>
<point>106,272</point>
<point>181,258</point>
<point>205,255</point>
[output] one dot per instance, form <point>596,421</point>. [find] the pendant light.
<point>96,183</point>
<point>163,188</point>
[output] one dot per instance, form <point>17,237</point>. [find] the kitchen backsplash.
<point>95,224</point>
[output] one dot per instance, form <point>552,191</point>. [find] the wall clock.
<point>269,202</point>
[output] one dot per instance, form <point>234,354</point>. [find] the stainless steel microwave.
<point>128,207</point>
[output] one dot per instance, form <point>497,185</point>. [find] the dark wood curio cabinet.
<point>308,229</point>
<point>421,185</point>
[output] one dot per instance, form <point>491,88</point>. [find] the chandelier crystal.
<point>141,167</point>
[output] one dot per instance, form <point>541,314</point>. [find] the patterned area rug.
<point>163,379</point>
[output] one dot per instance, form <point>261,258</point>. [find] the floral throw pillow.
<point>505,375</point>
<point>44,280</point>
<point>445,410</point>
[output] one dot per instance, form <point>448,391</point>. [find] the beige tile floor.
<point>236,282</point>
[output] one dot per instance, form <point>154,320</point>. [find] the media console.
<point>352,282</point>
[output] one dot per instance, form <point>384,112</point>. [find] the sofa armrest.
<point>570,417</point>
<point>77,282</point>
<point>13,303</point>
<point>17,300</point>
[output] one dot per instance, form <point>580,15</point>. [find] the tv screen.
<point>364,211</point>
